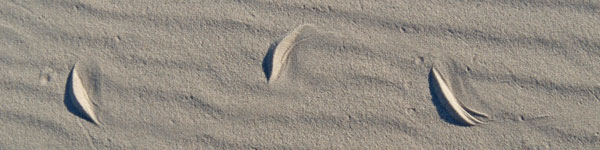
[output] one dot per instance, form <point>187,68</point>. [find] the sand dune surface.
<point>191,74</point>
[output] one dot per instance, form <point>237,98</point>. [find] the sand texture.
<point>181,74</point>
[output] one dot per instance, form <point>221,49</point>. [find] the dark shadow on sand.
<point>267,63</point>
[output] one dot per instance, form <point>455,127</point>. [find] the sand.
<point>189,75</point>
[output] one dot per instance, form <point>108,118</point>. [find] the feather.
<point>79,96</point>
<point>282,51</point>
<point>456,109</point>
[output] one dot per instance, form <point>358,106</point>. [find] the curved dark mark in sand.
<point>409,27</point>
<point>87,135</point>
<point>197,102</point>
<point>214,141</point>
<point>219,142</point>
<point>276,59</point>
<point>529,82</point>
<point>22,7</point>
<point>162,20</point>
<point>12,85</point>
<point>455,108</point>
<point>571,126</point>
<point>323,121</point>
<point>77,99</point>
<point>205,107</point>
<point>35,123</point>
<point>585,6</point>
<point>152,21</point>
<point>557,128</point>
<point>8,30</point>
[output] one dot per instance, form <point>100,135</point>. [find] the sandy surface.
<point>189,75</point>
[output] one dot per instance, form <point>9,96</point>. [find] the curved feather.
<point>456,109</point>
<point>79,96</point>
<point>282,51</point>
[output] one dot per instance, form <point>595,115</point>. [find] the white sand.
<point>189,75</point>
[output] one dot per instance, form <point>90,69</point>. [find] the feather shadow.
<point>267,63</point>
